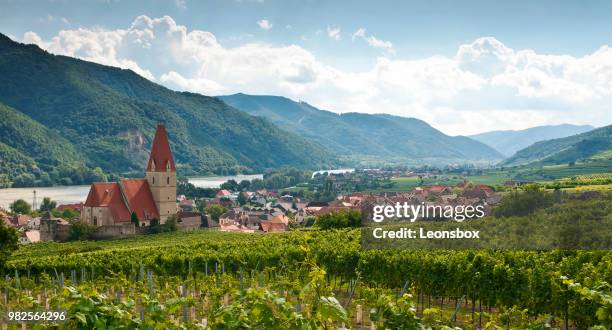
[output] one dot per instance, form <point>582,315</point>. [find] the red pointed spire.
<point>161,155</point>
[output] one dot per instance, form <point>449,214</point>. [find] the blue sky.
<point>463,66</point>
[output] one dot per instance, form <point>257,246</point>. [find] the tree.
<point>170,224</point>
<point>215,211</point>
<point>80,230</point>
<point>154,226</point>
<point>342,219</point>
<point>244,185</point>
<point>201,205</point>
<point>134,219</point>
<point>47,205</point>
<point>8,242</point>
<point>69,214</point>
<point>20,207</point>
<point>230,185</point>
<point>523,203</point>
<point>242,198</point>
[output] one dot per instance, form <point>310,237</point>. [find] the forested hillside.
<point>361,134</point>
<point>104,116</point>
<point>509,142</point>
<point>589,145</point>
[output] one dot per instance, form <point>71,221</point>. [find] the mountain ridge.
<point>109,115</point>
<point>508,142</point>
<point>379,135</point>
<point>565,150</point>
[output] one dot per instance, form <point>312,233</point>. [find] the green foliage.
<point>565,150</point>
<point>170,224</point>
<point>510,141</point>
<point>8,242</point>
<point>69,214</point>
<point>184,187</point>
<point>259,309</point>
<point>47,205</point>
<point>80,230</point>
<point>230,185</point>
<point>395,313</point>
<point>523,203</point>
<point>20,207</point>
<point>155,226</point>
<point>242,198</point>
<point>215,211</point>
<point>601,296</point>
<point>88,309</point>
<point>341,219</point>
<point>134,219</point>
<point>521,285</point>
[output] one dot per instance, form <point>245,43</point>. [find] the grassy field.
<point>551,172</point>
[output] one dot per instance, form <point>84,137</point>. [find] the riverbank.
<point>77,194</point>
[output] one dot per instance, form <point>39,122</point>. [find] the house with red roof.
<point>153,197</point>
<point>77,207</point>
<point>223,193</point>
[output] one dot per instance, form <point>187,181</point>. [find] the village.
<point>151,204</point>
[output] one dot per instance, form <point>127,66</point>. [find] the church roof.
<point>161,155</point>
<point>139,198</point>
<point>108,194</point>
<point>135,192</point>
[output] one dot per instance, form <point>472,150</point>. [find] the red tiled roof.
<point>161,155</point>
<point>139,198</point>
<point>273,226</point>
<point>434,188</point>
<point>22,219</point>
<point>76,207</point>
<point>108,194</point>
<point>223,193</point>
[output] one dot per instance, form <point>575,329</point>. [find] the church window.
<point>95,221</point>
<point>168,180</point>
<point>153,180</point>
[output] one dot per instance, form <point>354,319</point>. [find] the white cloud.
<point>373,41</point>
<point>333,32</point>
<point>264,24</point>
<point>51,19</point>
<point>486,85</point>
<point>181,4</point>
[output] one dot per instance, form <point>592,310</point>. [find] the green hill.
<point>106,116</point>
<point>509,142</point>
<point>585,146</point>
<point>360,134</point>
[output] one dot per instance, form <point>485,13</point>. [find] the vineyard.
<point>305,279</point>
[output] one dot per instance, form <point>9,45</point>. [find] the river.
<point>76,194</point>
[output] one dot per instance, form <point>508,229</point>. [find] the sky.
<point>465,67</point>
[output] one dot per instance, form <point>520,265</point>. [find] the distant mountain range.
<point>595,144</point>
<point>509,142</point>
<point>363,135</point>
<point>59,114</point>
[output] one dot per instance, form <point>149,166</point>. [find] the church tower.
<point>161,175</point>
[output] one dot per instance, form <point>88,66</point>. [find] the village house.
<point>76,207</point>
<point>153,197</point>
<point>30,236</point>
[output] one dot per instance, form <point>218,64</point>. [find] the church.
<point>154,197</point>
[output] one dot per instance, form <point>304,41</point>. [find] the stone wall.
<point>190,223</point>
<point>114,231</point>
<point>52,230</point>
